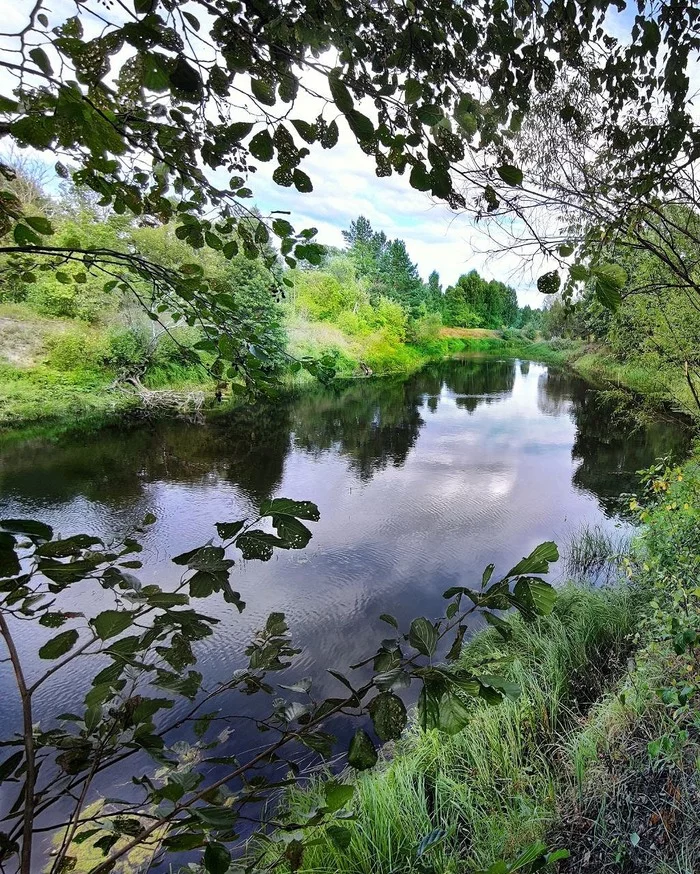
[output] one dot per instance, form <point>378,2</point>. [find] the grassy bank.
<point>601,752</point>
<point>55,372</point>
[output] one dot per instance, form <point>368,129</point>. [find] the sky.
<point>346,186</point>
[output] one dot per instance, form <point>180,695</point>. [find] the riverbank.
<point>598,755</point>
<point>56,375</point>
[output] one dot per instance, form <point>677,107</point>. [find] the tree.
<point>433,293</point>
<point>398,278</point>
<point>144,105</point>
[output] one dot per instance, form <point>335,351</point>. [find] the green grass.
<point>492,787</point>
<point>593,554</point>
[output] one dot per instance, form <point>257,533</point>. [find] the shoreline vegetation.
<point>598,755</point>
<point>65,386</point>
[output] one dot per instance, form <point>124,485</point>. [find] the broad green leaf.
<point>337,795</point>
<point>59,645</point>
<point>413,91</point>
<point>339,92</point>
<point>40,224</point>
<point>289,507</point>
<point>549,283</point>
<point>228,530</point>
<point>360,125</point>
<point>301,181</point>
<point>31,528</point>
<point>10,765</point>
<point>69,546</point>
<point>609,279</point>
<point>41,59</point>
<point>340,836</point>
<point>453,713</point>
<point>429,114</point>
<point>510,174</point>
<point>423,636</point>
<point>109,623</point>
<point>538,561</point>
<point>261,146</point>
<point>362,753</point>
<point>263,91</point>
<point>535,595</point>
<point>217,859</point>
<point>389,716</point>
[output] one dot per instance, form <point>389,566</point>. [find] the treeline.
<point>375,271</point>
<point>360,305</point>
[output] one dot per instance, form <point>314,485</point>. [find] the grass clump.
<point>492,787</point>
<point>593,554</point>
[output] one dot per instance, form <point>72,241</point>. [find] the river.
<point>420,481</point>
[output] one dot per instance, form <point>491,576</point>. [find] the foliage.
<point>489,790</point>
<point>472,302</point>
<point>186,806</point>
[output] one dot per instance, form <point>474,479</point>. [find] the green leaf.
<point>337,795</point>
<point>413,91</point>
<point>257,544</point>
<point>261,146</point>
<point>305,130</point>
<point>453,713</point>
<point>510,174</point>
<point>360,125</point>
<point>41,59</point>
<point>263,91</point>
<point>185,78</point>
<point>9,766</point>
<point>217,859</point>
<point>362,753</point>
<point>429,114</point>
<point>228,530</point>
<point>389,716</point>
<point>109,623</point>
<point>420,178</point>
<point>287,506</point>
<point>510,690</point>
<point>340,836</point>
<point>565,250</point>
<point>301,181</point>
<point>59,645</point>
<point>389,619</point>
<point>339,92</point>
<point>29,527</point>
<point>423,636</point>
<point>609,279</point>
<point>69,546</point>
<point>40,224</point>
<point>536,595</point>
<point>578,272</point>
<point>538,560</point>
<point>282,228</point>
<point>549,283</point>
<point>25,236</point>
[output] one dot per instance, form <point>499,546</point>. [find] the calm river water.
<point>421,482</point>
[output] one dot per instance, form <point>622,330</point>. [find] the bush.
<point>77,350</point>
<point>127,348</point>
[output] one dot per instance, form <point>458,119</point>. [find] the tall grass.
<point>492,787</point>
<point>593,554</point>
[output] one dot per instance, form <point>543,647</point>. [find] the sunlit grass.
<point>492,786</point>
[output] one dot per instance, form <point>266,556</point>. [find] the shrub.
<point>77,350</point>
<point>127,348</point>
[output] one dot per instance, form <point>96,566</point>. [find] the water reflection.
<point>421,482</point>
<point>371,424</point>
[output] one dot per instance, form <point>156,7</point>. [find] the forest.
<point>310,561</point>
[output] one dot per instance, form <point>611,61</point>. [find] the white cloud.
<point>437,238</point>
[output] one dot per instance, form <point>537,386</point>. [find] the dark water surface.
<point>420,482</point>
